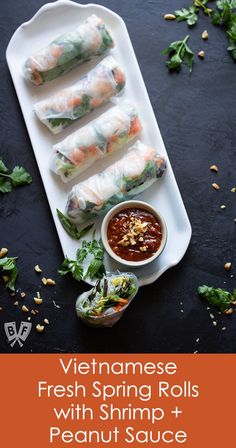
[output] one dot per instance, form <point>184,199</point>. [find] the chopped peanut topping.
<point>144,248</point>
<point>136,229</point>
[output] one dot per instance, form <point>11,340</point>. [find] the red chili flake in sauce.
<point>134,234</point>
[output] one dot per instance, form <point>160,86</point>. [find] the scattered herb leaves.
<point>225,16</point>
<point>218,297</point>
<point>190,13</point>
<point>90,250</point>
<point>19,176</point>
<point>179,53</point>
<point>70,228</point>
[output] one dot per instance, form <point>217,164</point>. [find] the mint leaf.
<point>12,279</point>
<point>95,269</point>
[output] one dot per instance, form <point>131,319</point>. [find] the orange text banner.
<point>139,400</point>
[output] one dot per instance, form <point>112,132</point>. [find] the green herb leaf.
<point>232,49</point>
<point>5,185</point>
<point>218,297</point>
<point>201,4</point>
<point>96,269</point>
<point>71,266</point>
<point>179,53</point>
<point>12,279</point>
<point>225,16</point>
<point>188,14</point>
<point>3,168</point>
<point>9,265</point>
<point>93,251</point>
<point>70,228</point>
<point>20,176</point>
<point>232,30</point>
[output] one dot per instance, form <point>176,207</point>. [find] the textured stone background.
<point>196,115</point>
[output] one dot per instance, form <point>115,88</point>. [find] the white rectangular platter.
<point>50,21</point>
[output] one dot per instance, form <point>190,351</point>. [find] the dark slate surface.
<point>196,115</point>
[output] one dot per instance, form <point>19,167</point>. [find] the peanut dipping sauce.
<point>134,234</point>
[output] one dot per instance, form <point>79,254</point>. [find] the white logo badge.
<point>21,336</point>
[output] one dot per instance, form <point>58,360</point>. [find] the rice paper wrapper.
<point>128,177</point>
<point>89,39</point>
<point>96,307</point>
<point>99,138</point>
<point>103,82</point>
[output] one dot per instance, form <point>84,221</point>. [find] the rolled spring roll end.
<point>88,304</point>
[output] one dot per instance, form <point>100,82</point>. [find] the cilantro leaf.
<point>225,16</point>
<point>232,30</point>
<point>3,168</point>
<point>71,266</point>
<point>91,251</point>
<point>179,53</point>
<point>188,14</point>
<point>201,4</point>
<point>218,297</point>
<point>232,49</point>
<point>20,176</point>
<point>5,185</point>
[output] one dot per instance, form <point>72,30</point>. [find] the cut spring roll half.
<point>123,180</point>
<point>105,303</point>
<point>109,132</point>
<point>89,39</point>
<point>103,82</point>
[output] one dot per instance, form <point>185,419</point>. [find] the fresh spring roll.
<point>109,132</point>
<point>89,39</point>
<point>104,81</point>
<point>105,303</point>
<point>131,175</point>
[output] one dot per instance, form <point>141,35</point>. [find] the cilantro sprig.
<point>70,228</point>
<point>225,16</point>
<point>218,297</point>
<point>19,176</point>
<point>179,53</point>
<point>8,266</point>
<point>190,14</point>
<point>202,4</point>
<point>93,253</point>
